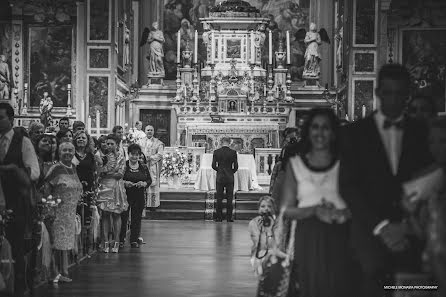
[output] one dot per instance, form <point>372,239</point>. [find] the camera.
<point>266,219</point>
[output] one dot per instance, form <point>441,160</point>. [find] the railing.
<point>265,159</point>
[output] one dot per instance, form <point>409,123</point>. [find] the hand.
<point>393,236</point>
<point>128,184</point>
<point>409,204</point>
<point>324,214</point>
<point>142,184</point>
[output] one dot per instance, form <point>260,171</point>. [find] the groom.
<point>378,154</point>
<point>225,163</point>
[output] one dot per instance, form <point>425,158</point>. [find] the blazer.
<point>367,183</point>
<point>225,163</point>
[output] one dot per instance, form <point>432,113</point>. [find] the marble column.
<point>136,37</point>
<point>80,87</point>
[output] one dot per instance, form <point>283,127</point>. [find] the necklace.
<point>81,155</point>
<point>135,167</point>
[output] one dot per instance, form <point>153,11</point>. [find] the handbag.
<point>275,279</point>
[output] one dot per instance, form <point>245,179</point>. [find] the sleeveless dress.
<point>64,185</point>
<point>323,256</point>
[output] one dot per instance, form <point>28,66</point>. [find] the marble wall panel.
<point>98,88</point>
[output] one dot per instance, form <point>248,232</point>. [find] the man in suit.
<point>225,163</point>
<point>378,154</point>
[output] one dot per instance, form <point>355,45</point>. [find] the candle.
<point>98,120</point>
<point>179,47</point>
<point>69,86</point>
<point>25,85</point>
<point>252,49</point>
<point>196,47</point>
<point>212,48</point>
<point>184,91</point>
<point>364,111</point>
<point>270,47</point>
<point>288,49</point>
<point>346,117</point>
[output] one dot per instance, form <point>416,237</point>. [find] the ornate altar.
<point>251,102</point>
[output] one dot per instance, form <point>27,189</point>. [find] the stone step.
<point>241,205</point>
<point>182,194</point>
<point>175,214</point>
<point>250,196</point>
<point>183,204</point>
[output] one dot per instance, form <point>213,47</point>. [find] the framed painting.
<point>363,94</point>
<point>364,62</point>
<point>6,75</point>
<point>365,23</point>
<point>99,21</point>
<point>98,57</point>
<point>49,56</point>
<point>98,94</point>
<point>233,48</point>
<point>423,52</point>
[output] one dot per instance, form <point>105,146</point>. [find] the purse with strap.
<point>275,279</point>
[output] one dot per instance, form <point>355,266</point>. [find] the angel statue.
<point>46,105</point>
<point>155,39</point>
<point>313,39</point>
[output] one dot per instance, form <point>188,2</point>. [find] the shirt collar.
<point>380,118</point>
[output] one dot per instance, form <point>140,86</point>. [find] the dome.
<point>234,6</point>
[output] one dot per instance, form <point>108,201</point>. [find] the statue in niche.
<point>259,41</point>
<point>126,53</point>
<point>46,106</point>
<point>232,106</point>
<point>5,78</point>
<point>155,39</point>
<point>313,39</point>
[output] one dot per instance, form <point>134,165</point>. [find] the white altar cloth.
<point>245,178</point>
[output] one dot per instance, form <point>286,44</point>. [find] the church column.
<point>81,88</point>
<point>136,37</point>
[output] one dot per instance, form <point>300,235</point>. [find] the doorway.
<point>160,120</point>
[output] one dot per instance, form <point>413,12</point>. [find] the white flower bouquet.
<point>175,164</point>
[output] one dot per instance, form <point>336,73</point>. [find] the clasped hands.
<point>394,236</point>
<point>328,213</point>
<point>140,184</point>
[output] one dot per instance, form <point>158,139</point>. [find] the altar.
<point>245,179</point>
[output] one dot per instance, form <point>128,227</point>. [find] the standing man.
<point>153,149</point>
<point>225,163</point>
<point>64,123</point>
<point>378,154</point>
<point>118,131</point>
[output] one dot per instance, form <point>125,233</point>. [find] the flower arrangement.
<point>175,164</point>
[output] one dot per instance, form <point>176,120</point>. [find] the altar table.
<point>245,178</point>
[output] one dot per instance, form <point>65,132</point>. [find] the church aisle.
<point>181,258</point>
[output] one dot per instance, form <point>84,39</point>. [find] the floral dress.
<point>113,192</point>
<point>65,185</point>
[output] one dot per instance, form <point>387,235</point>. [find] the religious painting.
<point>98,87</point>
<point>423,52</point>
<point>286,15</point>
<point>232,106</point>
<point>365,22</point>
<point>365,62</point>
<point>6,77</point>
<point>233,49</point>
<point>99,19</point>
<point>50,52</point>
<point>98,58</point>
<point>363,97</point>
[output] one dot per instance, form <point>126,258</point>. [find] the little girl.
<point>261,230</point>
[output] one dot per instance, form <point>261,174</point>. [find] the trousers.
<point>224,190</point>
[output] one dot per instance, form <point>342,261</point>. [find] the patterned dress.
<point>153,149</point>
<point>115,198</point>
<point>64,185</point>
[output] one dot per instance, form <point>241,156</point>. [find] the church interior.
<point>201,71</point>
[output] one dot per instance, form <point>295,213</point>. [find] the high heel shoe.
<point>106,247</point>
<point>115,249</point>
<point>57,278</point>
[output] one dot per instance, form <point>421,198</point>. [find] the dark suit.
<point>374,193</point>
<point>225,163</point>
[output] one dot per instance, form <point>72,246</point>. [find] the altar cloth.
<point>245,179</point>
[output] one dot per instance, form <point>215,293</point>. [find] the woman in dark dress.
<point>323,263</point>
<point>84,160</point>
<point>136,180</point>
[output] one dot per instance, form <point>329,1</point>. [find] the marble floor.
<point>181,258</point>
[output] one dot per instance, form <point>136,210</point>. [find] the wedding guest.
<point>261,231</point>
<point>323,259</point>
<point>379,153</point>
<point>80,126</point>
<point>34,129</point>
<point>64,136</point>
<point>62,183</point>
<point>18,169</point>
<point>45,146</point>
<point>115,200</point>
<point>136,180</point>
<point>64,123</point>
<point>84,160</point>
<point>153,149</point>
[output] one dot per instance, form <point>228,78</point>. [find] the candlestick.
<point>288,49</point>
<point>196,47</point>
<point>252,49</point>
<point>179,47</point>
<point>270,47</point>
<point>364,111</point>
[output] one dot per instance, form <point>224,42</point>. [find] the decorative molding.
<point>362,56</point>
<point>89,56</point>
<point>391,42</point>
<point>17,68</point>
<point>375,43</point>
<point>108,40</point>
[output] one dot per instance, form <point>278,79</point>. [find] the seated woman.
<point>114,201</point>
<point>136,180</point>
<point>323,263</point>
<point>261,230</point>
<point>62,183</point>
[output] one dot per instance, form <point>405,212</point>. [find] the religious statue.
<point>232,106</point>
<point>313,40</point>
<point>155,39</point>
<point>207,40</point>
<point>259,41</point>
<point>5,78</point>
<point>46,105</point>
<point>126,53</point>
